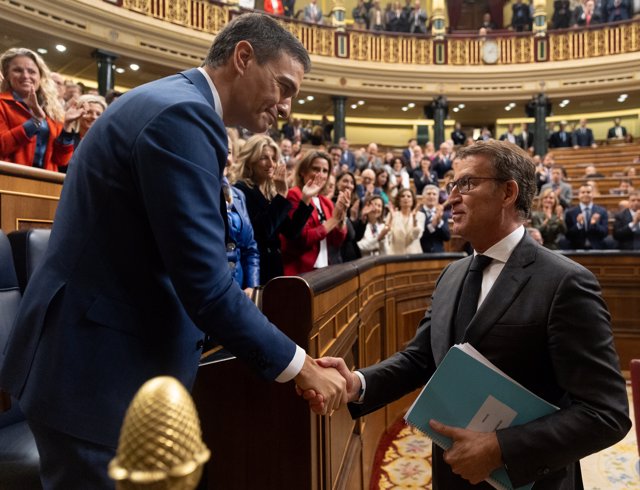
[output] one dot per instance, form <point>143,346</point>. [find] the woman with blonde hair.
<point>34,129</point>
<point>549,219</point>
<point>91,108</point>
<point>262,179</point>
<point>324,228</point>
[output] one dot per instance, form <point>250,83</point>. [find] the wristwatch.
<point>37,122</point>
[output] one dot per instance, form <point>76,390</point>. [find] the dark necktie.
<point>470,295</point>
<point>587,217</point>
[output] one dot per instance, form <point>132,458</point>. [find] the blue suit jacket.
<point>136,269</point>
<point>596,233</point>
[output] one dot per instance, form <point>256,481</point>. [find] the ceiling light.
<point>61,47</point>
<point>405,109</point>
<point>620,99</point>
<point>512,104</point>
<point>456,109</point>
<point>134,67</point>
<point>624,96</point>
<point>565,101</point>
<point>508,108</point>
<point>411,105</point>
<point>42,50</point>
<point>310,98</point>
<point>354,106</point>
<point>119,70</point>
<point>301,101</point>
<point>461,106</point>
<point>361,102</point>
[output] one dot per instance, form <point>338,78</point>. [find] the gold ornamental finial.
<point>160,445</point>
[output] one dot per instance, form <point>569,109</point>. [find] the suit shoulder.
<point>556,264</point>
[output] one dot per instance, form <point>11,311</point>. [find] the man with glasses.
<point>540,318</point>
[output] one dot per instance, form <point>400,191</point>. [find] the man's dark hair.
<point>268,39</point>
<point>510,163</point>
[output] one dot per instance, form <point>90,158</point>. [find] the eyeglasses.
<point>466,184</point>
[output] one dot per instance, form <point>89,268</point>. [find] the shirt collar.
<point>214,91</point>
<point>502,250</point>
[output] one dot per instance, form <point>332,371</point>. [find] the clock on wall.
<point>490,51</point>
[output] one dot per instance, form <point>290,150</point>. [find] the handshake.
<point>327,384</point>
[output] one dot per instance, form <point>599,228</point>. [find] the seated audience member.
<point>325,227</point>
<point>399,176</point>
<point>583,136</point>
<point>625,187</point>
<point>406,225</point>
<point>370,158</point>
<point>561,14</point>
<point>487,22</point>
<point>458,136</point>
<point>563,191</point>
<point>436,223</point>
<point>429,152</point>
<point>630,171</point>
<point>585,15</point>
<point>590,172</point>
<point>407,153</point>
<point>349,250</point>
<point>286,151</point>
<point>587,223</point>
<point>262,179</point>
<point>543,170</point>
<point>525,140</point>
<point>274,7</point>
<point>71,91</point>
<point>383,187</point>
<point>60,89</point>
<point>34,129</point>
<point>313,13</point>
<point>595,190</point>
<point>375,240</point>
<point>560,138</point>
<point>485,134</point>
<point>424,176</point>
<point>521,16</point>
<point>91,107</point>
<point>549,219</point>
<point>626,229</point>
<point>617,132</point>
<point>112,96</point>
<point>335,152</point>
<point>535,234</point>
<point>616,10</point>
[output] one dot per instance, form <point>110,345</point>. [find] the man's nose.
<point>284,108</point>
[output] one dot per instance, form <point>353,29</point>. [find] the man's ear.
<point>511,192</point>
<point>242,56</point>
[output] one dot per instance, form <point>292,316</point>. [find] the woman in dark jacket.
<point>262,179</point>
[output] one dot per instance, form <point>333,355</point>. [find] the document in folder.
<point>468,391</point>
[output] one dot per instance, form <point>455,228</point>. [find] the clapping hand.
<point>312,187</point>
<point>33,104</point>
<point>280,179</point>
<point>72,114</point>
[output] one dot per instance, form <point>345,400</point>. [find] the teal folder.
<point>468,391</point>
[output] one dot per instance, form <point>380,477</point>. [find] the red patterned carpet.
<point>403,462</point>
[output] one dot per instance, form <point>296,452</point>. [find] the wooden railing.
<point>263,436</point>
<point>515,48</point>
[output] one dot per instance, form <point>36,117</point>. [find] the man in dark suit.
<point>540,319</point>
<point>617,132</point>
<point>583,136</point>
<point>348,158</point>
<point>458,136</point>
<point>436,224</point>
<point>525,141</point>
<point>136,269</point>
<point>626,229</point>
<point>587,223</point>
<point>560,138</point>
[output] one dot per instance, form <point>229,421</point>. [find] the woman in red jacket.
<point>308,251</point>
<point>34,129</point>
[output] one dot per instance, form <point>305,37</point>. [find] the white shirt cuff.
<point>294,367</point>
<point>363,388</point>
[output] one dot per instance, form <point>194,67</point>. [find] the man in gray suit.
<point>540,318</point>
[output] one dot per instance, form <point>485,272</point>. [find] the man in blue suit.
<point>587,223</point>
<point>136,269</point>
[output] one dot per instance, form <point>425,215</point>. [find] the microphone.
<point>160,444</point>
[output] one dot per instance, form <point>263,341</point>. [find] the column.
<point>541,106</point>
<point>439,108</point>
<point>106,76</point>
<point>339,103</point>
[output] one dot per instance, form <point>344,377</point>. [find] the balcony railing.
<point>457,49</point>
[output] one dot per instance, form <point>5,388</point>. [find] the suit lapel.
<point>444,305</point>
<point>504,292</point>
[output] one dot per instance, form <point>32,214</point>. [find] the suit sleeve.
<point>595,412</point>
<point>179,182</point>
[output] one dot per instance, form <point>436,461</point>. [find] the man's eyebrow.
<point>289,84</point>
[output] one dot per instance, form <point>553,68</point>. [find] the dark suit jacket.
<point>627,238</point>
<point>556,140</point>
<point>544,323</point>
<point>136,270</point>
<point>434,242</point>
<point>594,233</point>
<point>582,137</point>
<point>611,133</point>
<point>350,159</point>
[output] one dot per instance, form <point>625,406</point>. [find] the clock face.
<point>490,51</point>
